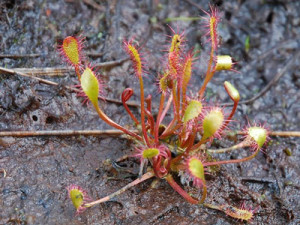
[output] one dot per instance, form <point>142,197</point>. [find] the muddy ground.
<point>38,169</point>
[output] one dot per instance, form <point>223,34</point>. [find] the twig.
<point>52,71</point>
<point>47,71</point>
<point>257,179</point>
<point>270,84</point>
<point>111,63</point>
<point>278,133</point>
<point>62,133</point>
<point>35,55</point>
<point>273,81</point>
<point>11,56</point>
<point>10,71</point>
<point>94,5</point>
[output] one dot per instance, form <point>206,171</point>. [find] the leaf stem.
<point>106,119</point>
<point>146,176</point>
<point>223,150</point>
<point>161,106</point>
<point>143,109</point>
<point>233,160</point>
<point>180,191</point>
<point>209,74</point>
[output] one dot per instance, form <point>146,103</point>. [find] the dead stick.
<point>19,56</point>
<point>270,84</point>
<point>10,71</point>
<point>62,133</point>
<point>94,5</point>
<point>44,81</point>
<point>60,71</point>
<point>111,63</point>
<point>278,133</point>
<point>273,81</point>
<point>111,132</point>
<point>35,55</point>
<point>46,71</point>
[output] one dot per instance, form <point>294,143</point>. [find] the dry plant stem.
<point>146,176</point>
<point>223,150</point>
<point>278,133</point>
<point>10,71</point>
<point>111,63</point>
<point>11,56</point>
<point>19,56</point>
<point>106,119</point>
<point>285,133</point>
<point>46,71</point>
<point>62,133</point>
<point>183,193</point>
<point>52,71</point>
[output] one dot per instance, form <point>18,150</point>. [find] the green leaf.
<point>90,85</point>
<point>150,153</point>
<point>76,197</point>
<point>192,110</point>
<point>212,123</point>
<point>232,91</point>
<point>196,168</point>
<point>258,134</point>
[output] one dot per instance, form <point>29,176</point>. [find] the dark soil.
<point>40,168</point>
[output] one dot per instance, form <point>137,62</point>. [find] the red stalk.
<point>233,160</point>
<point>180,191</point>
<point>143,110</point>
<point>161,105</point>
<point>127,93</point>
<point>106,119</point>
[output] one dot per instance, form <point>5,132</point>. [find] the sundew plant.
<point>177,148</point>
